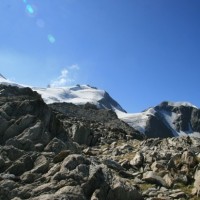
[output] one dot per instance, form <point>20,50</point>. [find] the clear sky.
<point>141,51</point>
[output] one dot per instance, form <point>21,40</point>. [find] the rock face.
<point>166,120</point>
<point>61,151</point>
<point>89,125</point>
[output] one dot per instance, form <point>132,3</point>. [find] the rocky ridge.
<point>63,151</point>
<point>166,120</point>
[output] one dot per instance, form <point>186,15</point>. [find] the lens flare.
<point>51,38</point>
<point>30,9</point>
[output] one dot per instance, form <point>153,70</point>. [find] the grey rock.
<point>197,181</point>
<point>113,165</point>
<point>81,134</point>
<point>41,165</point>
<point>169,180</point>
<point>28,177</point>
<point>55,145</point>
<point>158,166</point>
<point>12,153</point>
<point>39,147</point>
<point>153,177</point>
<point>178,195</point>
<point>189,158</point>
<point>61,156</point>
<point>121,191</point>
<point>137,160</point>
<point>94,182</point>
<point>71,192</point>
<point>72,161</point>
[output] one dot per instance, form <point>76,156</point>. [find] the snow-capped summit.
<point>79,94</point>
<point>177,104</point>
<point>167,119</point>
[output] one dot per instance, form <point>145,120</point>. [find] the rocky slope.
<point>69,152</point>
<point>41,153</point>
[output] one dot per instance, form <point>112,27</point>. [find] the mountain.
<point>80,152</point>
<point>79,95</point>
<point>168,119</point>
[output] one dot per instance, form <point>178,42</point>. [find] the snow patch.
<point>178,104</point>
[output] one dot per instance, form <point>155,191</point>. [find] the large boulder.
<point>81,134</point>
<point>137,160</point>
<point>121,191</point>
<point>154,178</point>
<point>72,161</point>
<point>41,165</point>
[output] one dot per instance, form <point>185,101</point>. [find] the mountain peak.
<point>177,104</point>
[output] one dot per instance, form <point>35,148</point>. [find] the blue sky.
<point>141,51</point>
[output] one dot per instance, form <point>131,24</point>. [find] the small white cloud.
<point>64,73</point>
<point>67,77</point>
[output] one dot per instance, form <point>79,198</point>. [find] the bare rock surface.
<point>49,153</point>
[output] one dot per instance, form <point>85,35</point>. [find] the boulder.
<point>169,180</point>
<point>154,178</point>
<point>41,165</point>
<point>95,181</point>
<point>72,161</point>
<point>70,192</point>
<point>157,166</point>
<point>197,181</point>
<point>12,153</point>
<point>178,195</point>
<point>189,158</point>
<point>121,191</point>
<point>29,177</point>
<point>61,156</point>
<point>81,134</point>
<point>113,165</point>
<point>55,145</point>
<point>137,160</point>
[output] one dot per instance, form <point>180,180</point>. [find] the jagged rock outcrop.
<point>168,119</point>
<point>92,125</point>
<point>26,120</point>
<point>171,120</point>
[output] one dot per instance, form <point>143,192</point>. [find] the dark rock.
<point>41,165</point>
<point>156,128</point>
<point>72,161</point>
<point>113,165</point>
<point>55,145</point>
<point>81,134</point>
<point>121,191</point>
<point>61,156</point>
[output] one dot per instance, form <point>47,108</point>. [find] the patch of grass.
<point>187,190</point>
<point>128,156</point>
<point>146,186</point>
